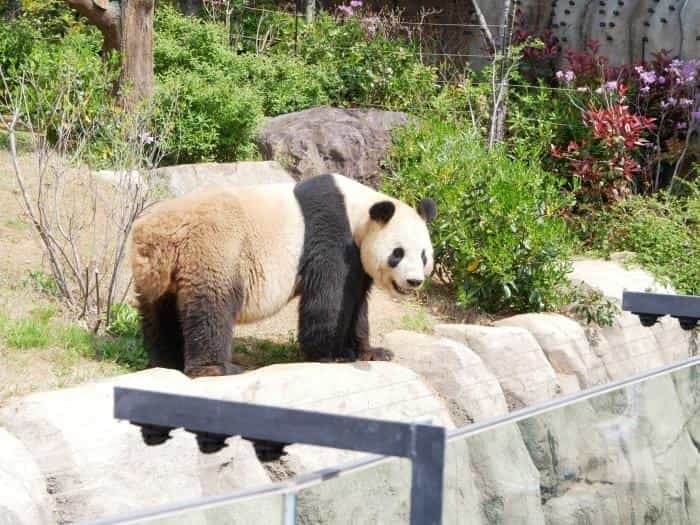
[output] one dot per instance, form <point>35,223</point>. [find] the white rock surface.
<point>183,178</point>
<point>23,496</point>
<point>627,347</point>
<point>368,389</point>
<point>612,278</point>
<point>376,390</point>
<point>566,346</point>
<point>468,388</point>
<point>513,355</point>
<point>506,480</point>
<point>96,466</point>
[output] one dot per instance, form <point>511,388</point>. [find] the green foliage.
<point>589,305</point>
<point>40,329</point>
<point>43,283</point>
<point>254,353</point>
<point>124,321</point>
<point>126,351</point>
<point>211,124</point>
<point>17,39</point>
<point>663,231</point>
<point>365,66</point>
<point>417,322</point>
<point>497,237</point>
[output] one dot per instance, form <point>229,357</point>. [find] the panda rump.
<point>219,256</point>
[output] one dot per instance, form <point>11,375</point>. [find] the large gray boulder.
<point>468,388</point>
<point>324,139</point>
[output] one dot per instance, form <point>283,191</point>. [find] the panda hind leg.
<point>207,326</point>
<point>162,333</point>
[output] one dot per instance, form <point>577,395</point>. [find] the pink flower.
<point>682,125</point>
<point>668,103</point>
<point>648,77</point>
<point>645,89</point>
<point>355,3</point>
<point>345,9</point>
<point>695,115</point>
<point>685,102</point>
<point>611,86</point>
<point>566,77</point>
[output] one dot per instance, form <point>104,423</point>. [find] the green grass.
<point>417,322</point>
<point>42,282</point>
<point>14,223</point>
<point>254,353</point>
<point>24,141</point>
<point>40,330</point>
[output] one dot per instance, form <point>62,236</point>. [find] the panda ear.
<point>427,209</point>
<point>382,212</point>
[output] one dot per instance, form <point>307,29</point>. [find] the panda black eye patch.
<point>395,257</point>
<point>423,258</point>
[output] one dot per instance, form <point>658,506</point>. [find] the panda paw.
<point>225,369</point>
<point>376,354</point>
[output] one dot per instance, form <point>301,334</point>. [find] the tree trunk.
<point>127,27</point>
<point>136,79</point>
<point>310,10</point>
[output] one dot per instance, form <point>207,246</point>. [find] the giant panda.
<point>219,256</point>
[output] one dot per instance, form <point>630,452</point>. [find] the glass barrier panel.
<point>255,510</point>
<point>379,493</point>
<point>625,456</point>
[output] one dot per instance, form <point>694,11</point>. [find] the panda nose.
<point>415,283</point>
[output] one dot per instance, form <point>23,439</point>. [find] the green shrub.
<point>214,120</point>
<point>369,68</point>
<point>497,236</point>
<point>124,322</point>
<point>663,231</point>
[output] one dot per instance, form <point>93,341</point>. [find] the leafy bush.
<point>125,321</point>
<point>371,69</point>
<point>211,124</point>
<point>497,237</point>
<point>663,231</point>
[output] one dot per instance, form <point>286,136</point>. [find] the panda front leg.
<point>359,336</point>
<point>319,318</point>
<point>207,326</point>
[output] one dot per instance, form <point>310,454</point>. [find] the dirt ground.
<point>27,370</point>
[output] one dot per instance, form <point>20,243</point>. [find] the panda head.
<point>396,250</point>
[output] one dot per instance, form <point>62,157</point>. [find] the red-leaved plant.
<point>605,165</point>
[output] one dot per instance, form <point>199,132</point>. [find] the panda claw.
<point>376,354</point>
<point>214,370</point>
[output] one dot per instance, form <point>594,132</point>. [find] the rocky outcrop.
<point>513,356</point>
<point>319,140</point>
<point>628,456</point>
<point>92,465</point>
